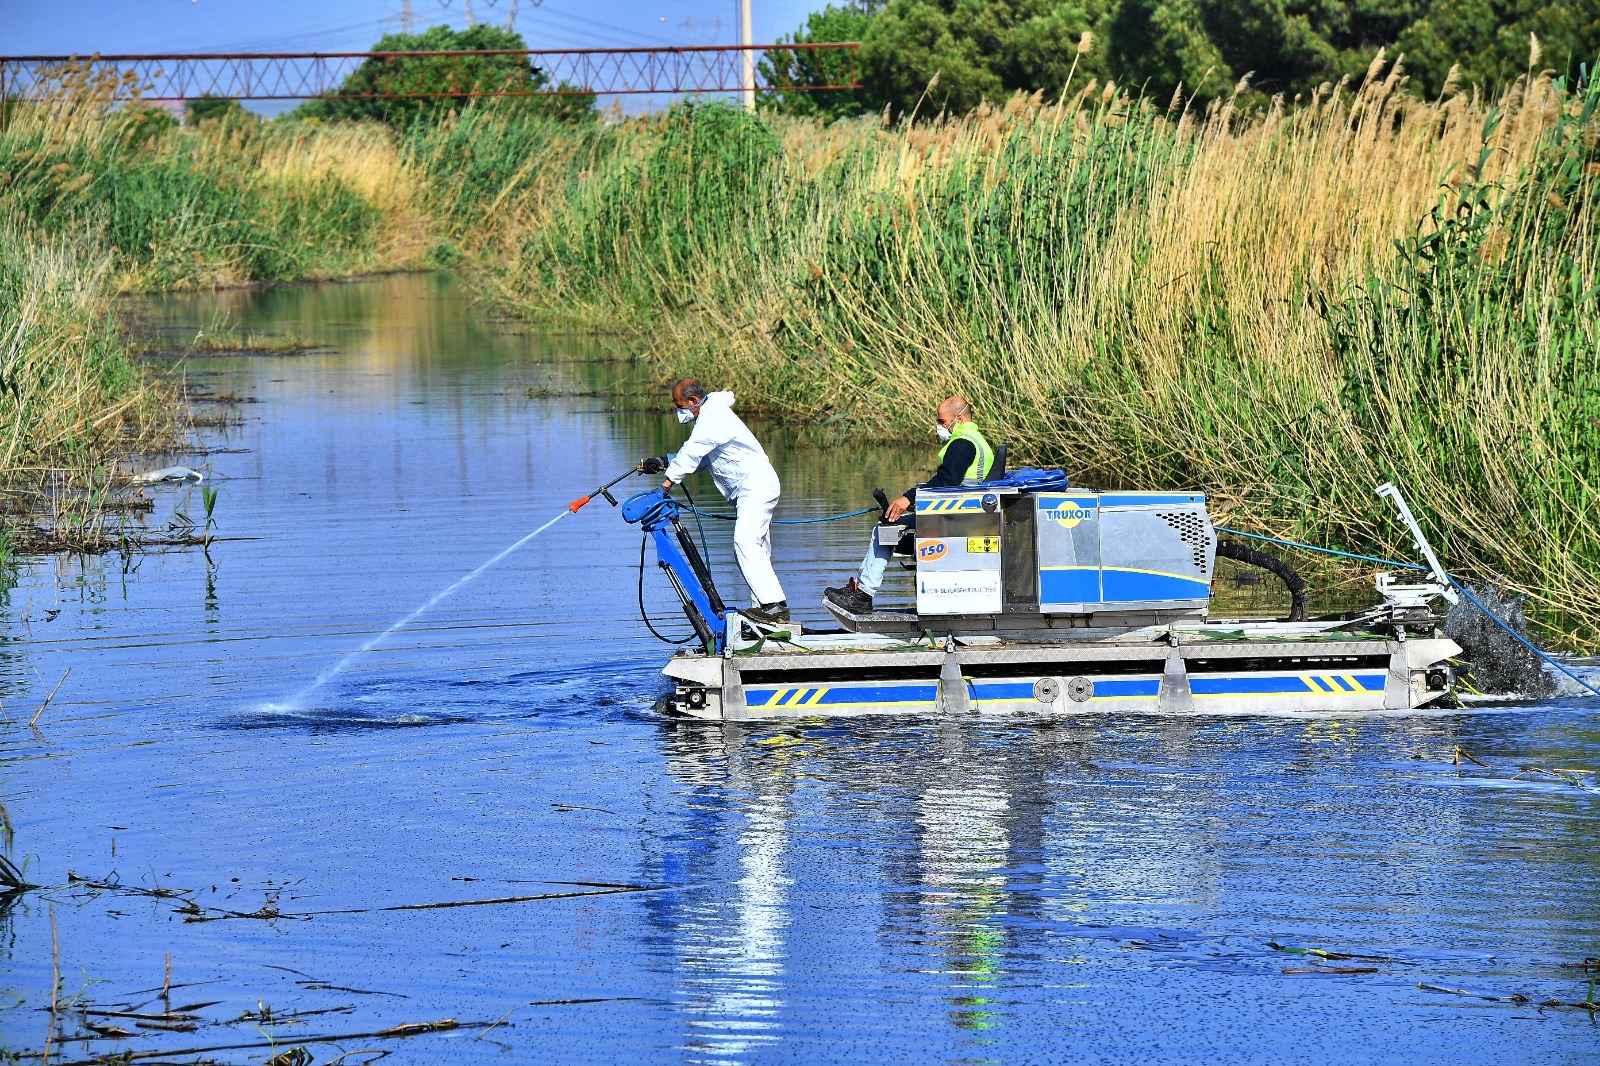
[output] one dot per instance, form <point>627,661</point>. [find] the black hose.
<point>1299,593</point>
<point>705,552</point>
<point>643,614</point>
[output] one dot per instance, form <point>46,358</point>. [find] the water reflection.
<point>904,891</point>
<point>728,943</point>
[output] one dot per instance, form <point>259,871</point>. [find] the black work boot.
<point>769,614</point>
<point>850,597</point>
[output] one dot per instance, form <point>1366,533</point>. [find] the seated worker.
<point>743,475</point>
<point>965,458</point>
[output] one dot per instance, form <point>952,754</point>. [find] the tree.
<point>786,67</point>
<point>454,79</point>
<point>1490,40</point>
<point>209,108</point>
<point>987,49</point>
<point>978,49</point>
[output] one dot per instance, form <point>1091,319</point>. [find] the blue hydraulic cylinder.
<point>656,513</point>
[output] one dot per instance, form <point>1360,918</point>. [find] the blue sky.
<point>110,27</point>
<point>57,27</point>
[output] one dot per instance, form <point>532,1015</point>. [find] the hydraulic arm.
<point>657,514</point>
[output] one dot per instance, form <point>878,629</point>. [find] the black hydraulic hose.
<point>705,552</point>
<point>643,614</point>
<point>1299,593</point>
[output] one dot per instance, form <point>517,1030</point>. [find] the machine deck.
<point>1036,598</point>
<point>1217,668</point>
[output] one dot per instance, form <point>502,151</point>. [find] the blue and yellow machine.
<point>1040,598</point>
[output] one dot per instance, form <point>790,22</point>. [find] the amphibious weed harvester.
<point>1036,597</point>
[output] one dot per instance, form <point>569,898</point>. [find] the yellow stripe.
<point>865,703</point>
<point>1312,683</point>
<point>814,700</point>
<point>1132,570</point>
<point>1350,679</point>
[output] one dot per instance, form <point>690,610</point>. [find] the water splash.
<point>299,698</point>
<point>1501,665</point>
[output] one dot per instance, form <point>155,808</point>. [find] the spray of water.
<point>299,698</point>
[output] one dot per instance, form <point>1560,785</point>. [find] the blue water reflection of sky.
<point>912,890</point>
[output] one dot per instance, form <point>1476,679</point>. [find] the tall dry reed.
<point>1285,308</point>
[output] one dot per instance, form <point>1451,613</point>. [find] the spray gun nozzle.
<point>579,502</point>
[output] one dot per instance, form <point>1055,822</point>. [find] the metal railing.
<point>320,75</point>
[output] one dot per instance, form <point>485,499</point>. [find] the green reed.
<point>1284,309</point>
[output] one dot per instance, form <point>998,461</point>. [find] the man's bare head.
<point>687,396</point>
<point>688,392</point>
<point>954,410</point>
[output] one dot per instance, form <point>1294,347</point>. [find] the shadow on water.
<point>482,818</point>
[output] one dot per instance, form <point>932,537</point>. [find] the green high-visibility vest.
<point>968,431</point>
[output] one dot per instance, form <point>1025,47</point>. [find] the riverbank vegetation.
<point>1285,304</point>
<point>97,200</point>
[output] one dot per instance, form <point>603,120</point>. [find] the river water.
<point>911,891</point>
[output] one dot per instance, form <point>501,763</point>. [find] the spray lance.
<point>656,513</point>
<point>646,466</point>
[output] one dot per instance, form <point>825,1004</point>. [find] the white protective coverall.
<point>743,475</point>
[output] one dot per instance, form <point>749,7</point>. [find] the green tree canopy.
<point>980,49</point>
<point>209,108</point>
<point>988,49</point>
<point>785,67</point>
<point>454,78</point>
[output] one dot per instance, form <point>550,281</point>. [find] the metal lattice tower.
<point>312,75</point>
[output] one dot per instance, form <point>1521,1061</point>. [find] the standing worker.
<point>965,458</point>
<point>743,475</point>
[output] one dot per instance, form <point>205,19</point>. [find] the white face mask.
<point>685,415</point>
<point>943,432</point>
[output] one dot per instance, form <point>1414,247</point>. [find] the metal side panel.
<point>696,669</point>
<point>1068,694</point>
<point>771,700</point>
<point>1176,696</point>
<point>1361,689</point>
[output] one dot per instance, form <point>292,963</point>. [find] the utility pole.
<point>511,15</point>
<point>472,20</point>
<point>747,58</point>
<point>405,17</point>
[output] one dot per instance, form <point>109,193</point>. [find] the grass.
<point>1283,307</point>
<point>97,200</point>
<point>71,401</point>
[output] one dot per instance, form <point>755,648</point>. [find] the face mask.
<point>943,432</point>
<point>685,415</point>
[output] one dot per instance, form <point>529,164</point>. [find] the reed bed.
<point>229,202</point>
<point>97,199</point>
<point>71,401</point>
<point>1283,307</point>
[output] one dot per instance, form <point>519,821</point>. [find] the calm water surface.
<point>900,891</point>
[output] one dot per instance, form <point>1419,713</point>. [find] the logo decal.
<point>1070,512</point>
<point>930,549</point>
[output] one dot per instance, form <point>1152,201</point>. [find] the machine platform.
<point>1036,598</point>
<point>1251,668</point>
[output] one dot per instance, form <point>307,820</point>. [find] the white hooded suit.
<point>743,475</point>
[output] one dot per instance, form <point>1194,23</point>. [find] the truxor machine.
<point>1040,598</point>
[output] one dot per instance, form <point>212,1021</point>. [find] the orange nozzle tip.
<point>579,502</point>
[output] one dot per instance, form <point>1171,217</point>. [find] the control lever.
<point>604,491</point>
